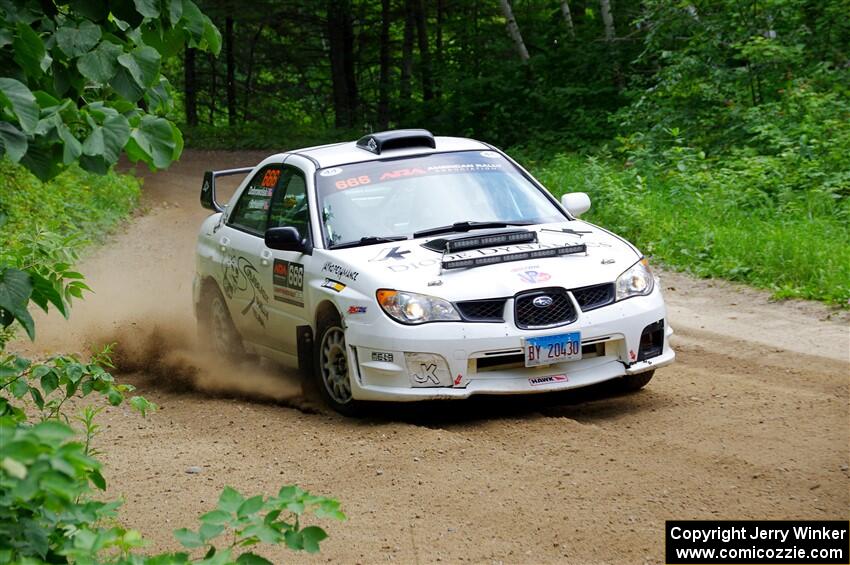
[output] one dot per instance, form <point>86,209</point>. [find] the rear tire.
<point>331,370</point>
<point>632,383</point>
<point>216,328</point>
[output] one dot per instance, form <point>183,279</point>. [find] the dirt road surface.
<point>750,423</point>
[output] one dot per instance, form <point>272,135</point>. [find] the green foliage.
<point>82,81</point>
<point>78,204</point>
<point>732,219</point>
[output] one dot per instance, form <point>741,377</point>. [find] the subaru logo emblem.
<point>542,301</point>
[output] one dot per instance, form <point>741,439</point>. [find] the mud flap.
<point>304,339</point>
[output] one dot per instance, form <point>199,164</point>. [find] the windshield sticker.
<point>489,154</point>
<point>258,204</point>
<point>333,285</point>
<point>260,191</point>
<point>352,182</point>
<point>288,279</point>
<point>390,253</point>
<point>240,278</point>
<point>270,178</point>
<point>332,172</point>
<point>340,271</point>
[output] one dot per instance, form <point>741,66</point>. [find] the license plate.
<point>552,349</point>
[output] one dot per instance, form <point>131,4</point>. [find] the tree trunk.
<point>213,87</point>
<point>424,51</point>
<point>607,19</point>
<point>190,87</point>
<point>439,44</point>
<point>249,73</point>
<point>568,18</point>
<point>231,71</point>
<point>341,44</point>
<point>406,59</point>
<point>513,30</point>
<point>384,81</point>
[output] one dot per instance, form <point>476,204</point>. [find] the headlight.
<point>636,281</point>
<point>412,308</point>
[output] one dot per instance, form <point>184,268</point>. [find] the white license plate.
<point>552,349</point>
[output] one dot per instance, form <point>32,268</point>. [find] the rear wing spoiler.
<point>208,187</point>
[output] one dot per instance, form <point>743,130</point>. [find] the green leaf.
<point>100,64</point>
<point>97,479</point>
<point>52,432</point>
<point>116,132</point>
<point>14,468</point>
<point>75,41</point>
<point>311,536</point>
<point>142,405</point>
<point>13,143</point>
<point>143,65</point>
<point>16,95</point>
<point>229,500</point>
<point>49,382</point>
<point>29,51</point>
<point>194,19</point>
<point>71,146</point>
<point>125,85</point>
<point>153,142</point>
<point>209,531</point>
<point>252,559</point>
<point>15,291</point>
<point>250,506</point>
<point>212,36</point>
<point>175,11</point>
<point>45,291</point>
<point>188,538</point>
<point>147,8</point>
<point>216,517</point>
<point>19,387</point>
<point>294,540</point>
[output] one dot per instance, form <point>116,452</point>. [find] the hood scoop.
<point>481,240</point>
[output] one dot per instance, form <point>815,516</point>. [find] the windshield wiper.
<point>467,226</point>
<point>368,240</point>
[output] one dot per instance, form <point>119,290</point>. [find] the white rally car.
<point>405,267</point>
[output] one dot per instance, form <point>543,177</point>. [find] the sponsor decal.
<point>401,173</point>
<point>333,285</point>
<point>206,187</point>
<point>632,354</point>
<point>340,270</point>
<point>551,379</point>
<point>427,374</point>
<point>489,154</point>
<point>260,191</point>
<point>400,268</point>
<point>383,356</point>
<point>608,261</point>
<point>356,309</point>
<point>532,277</point>
<point>332,172</point>
<point>390,253</point>
<point>258,204</point>
<point>240,276</point>
<point>458,379</point>
<point>270,178</point>
<point>288,280</point>
<point>352,182</point>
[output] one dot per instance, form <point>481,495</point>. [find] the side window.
<point>289,204</point>
<point>252,209</point>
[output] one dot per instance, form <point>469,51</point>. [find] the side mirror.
<point>285,238</point>
<point>576,203</point>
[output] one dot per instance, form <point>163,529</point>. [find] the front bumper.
<point>487,358</point>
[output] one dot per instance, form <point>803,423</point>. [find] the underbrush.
<point>77,204</point>
<point>742,219</point>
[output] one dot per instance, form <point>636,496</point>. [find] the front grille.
<point>596,296</point>
<point>559,312</point>
<point>490,310</point>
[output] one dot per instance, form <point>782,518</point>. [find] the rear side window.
<point>252,209</point>
<point>289,204</point>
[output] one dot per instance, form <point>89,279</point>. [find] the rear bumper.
<point>386,355</point>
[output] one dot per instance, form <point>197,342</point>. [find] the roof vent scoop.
<point>382,141</point>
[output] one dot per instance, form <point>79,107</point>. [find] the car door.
<point>241,244</point>
<point>283,272</point>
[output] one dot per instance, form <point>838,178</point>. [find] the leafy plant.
<point>82,81</point>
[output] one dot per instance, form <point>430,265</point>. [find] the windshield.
<point>399,197</point>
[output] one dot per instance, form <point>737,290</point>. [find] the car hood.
<point>408,265</point>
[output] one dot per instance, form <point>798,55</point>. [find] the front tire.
<point>632,383</point>
<point>332,370</point>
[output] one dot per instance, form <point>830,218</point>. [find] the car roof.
<point>348,152</point>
